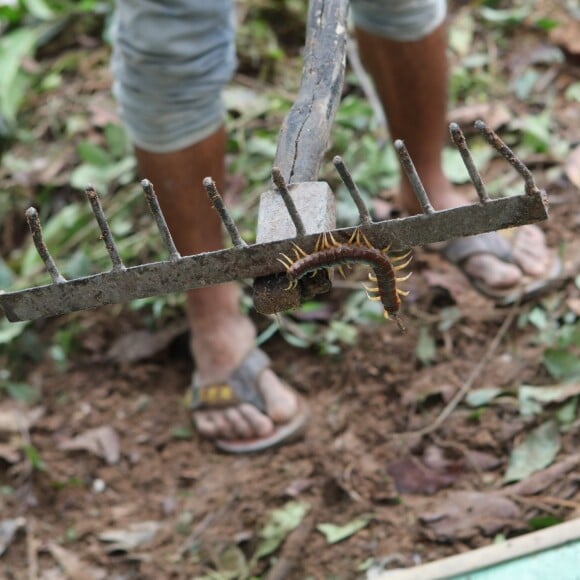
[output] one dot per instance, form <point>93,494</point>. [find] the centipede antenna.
<point>413,176</point>
<point>106,233</point>
<point>461,144</point>
<point>348,181</point>
<point>400,324</point>
<point>492,138</point>
<point>36,231</point>
<point>159,218</point>
<point>282,188</point>
<point>218,203</point>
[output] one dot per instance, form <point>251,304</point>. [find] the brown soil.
<point>359,455</point>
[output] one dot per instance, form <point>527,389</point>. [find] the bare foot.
<point>529,248</point>
<point>221,339</point>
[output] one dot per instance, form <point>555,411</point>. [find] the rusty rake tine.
<point>508,155</point>
<point>348,181</point>
<point>155,209</point>
<point>413,176</point>
<point>36,231</point>
<point>218,203</point>
<point>106,234</point>
<point>280,184</point>
<point>461,144</point>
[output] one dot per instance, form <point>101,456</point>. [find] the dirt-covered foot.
<point>221,339</point>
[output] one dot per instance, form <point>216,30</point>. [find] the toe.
<point>239,423</point>
<point>205,426</point>
<point>530,250</point>
<point>262,425</point>
<point>224,429</point>
<point>281,402</point>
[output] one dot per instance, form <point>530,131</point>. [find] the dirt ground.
<point>141,496</point>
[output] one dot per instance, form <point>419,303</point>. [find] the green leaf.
<point>22,392</point>
<point>14,47</point>
<point>39,9</point>
<point>93,154</point>
<point>540,522</point>
<point>335,534</point>
<point>6,275</point>
<point>567,413</point>
<point>10,330</point>
<point>117,141</point>
<point>281,522</point>
<point>481,397</point>
<point>531,398</point>
<point>536,451</point>
<point>507,17</point>
<point>572,93</point>
<point>562,364</point>
<point>34,457</point>
<point>547,24</point>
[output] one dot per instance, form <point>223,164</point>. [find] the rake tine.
<point>461,144</point>
<point>155,209</point>
<point>346,177</point>
<point>413,176</point>
<point>508,155</point>
<point>106,234</point>
<point>218,203</point>
<point>280,184</point>
<point>36,231</point>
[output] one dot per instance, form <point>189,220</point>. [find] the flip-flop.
<point>241,387</point>
<point>500,244</point>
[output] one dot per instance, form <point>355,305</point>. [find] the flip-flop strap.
<point>240,387</point>
<point>458,250</point>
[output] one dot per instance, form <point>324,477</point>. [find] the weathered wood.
<point>304,135</point>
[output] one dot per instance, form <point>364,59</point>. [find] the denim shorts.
<point>172,58</point>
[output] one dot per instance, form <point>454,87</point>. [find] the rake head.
<point>289,214</point>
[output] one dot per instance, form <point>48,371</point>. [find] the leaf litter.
<point>375,388</point>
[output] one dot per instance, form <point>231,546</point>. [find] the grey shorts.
<point>172,58</point>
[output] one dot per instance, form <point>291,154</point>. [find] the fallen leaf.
<point>481,397</point>
<point>572,167</point>
<point>15,419</point>
<point>483,461</point>
<point>73,566</point>
<point>8,529</point>
<point>531,398</point>
<point>297,486</point>
<point>134,536</point>
<point>464,514</point>
<point>541,480</point>
<point>144,344</point>
<point>411,476</point>
<point>536,451</point>
<point>281,522</point>
<point>9,453</point>
<point>494,115</point>
<point>101,441</point>
<point>566,35</point>
<point>335,534</point>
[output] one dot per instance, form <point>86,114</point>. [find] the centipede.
<point>328,253</point>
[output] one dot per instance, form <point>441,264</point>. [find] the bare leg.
<point>221,336</point>
<point>411,80</point>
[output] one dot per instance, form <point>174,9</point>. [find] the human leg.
<point>403,45</point>
<point>171,61</point>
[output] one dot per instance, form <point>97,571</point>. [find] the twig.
<point>451,406</point>
<point>292,551</point>
<point>31,553</point>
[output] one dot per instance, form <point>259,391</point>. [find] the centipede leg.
<point>403,278</point>
<point>402,292</point>
<point>404,265</point>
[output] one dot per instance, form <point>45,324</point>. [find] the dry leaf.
<point>494,115</point>
<point>465,514</point>
<point>9,453</point>
<point>15,420</point>
<point>73,566</point>
<point>134,536</point>
<point>540,480</point>
<point>8,529</point>
<point>101,441</point>
<point>411,476</point>
<point>572,168</point>
<point>143,344</point>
